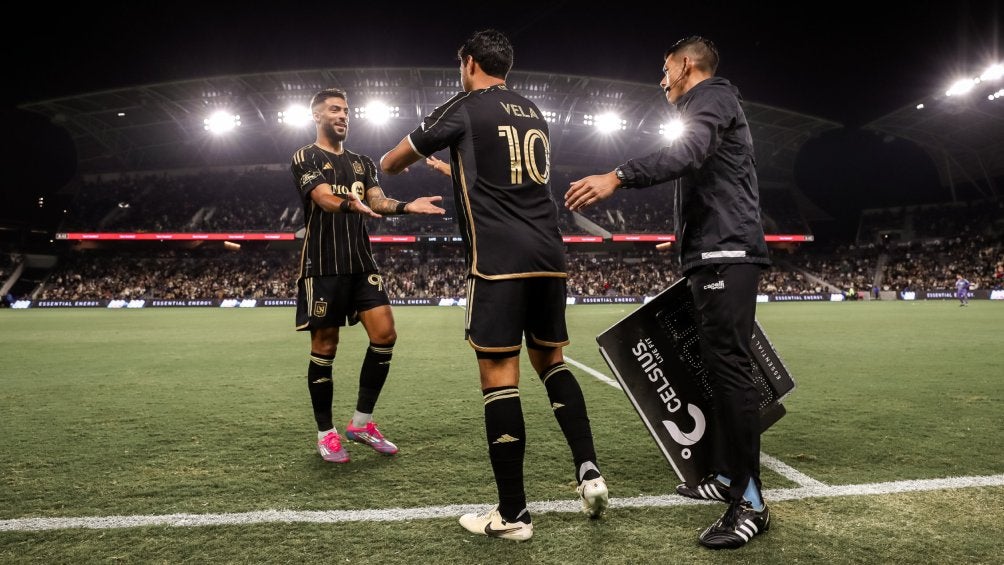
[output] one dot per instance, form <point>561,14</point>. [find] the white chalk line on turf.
<point>599,376</point>
<point>776,465</point>
<point>433,512</point>
<point>789,472</point>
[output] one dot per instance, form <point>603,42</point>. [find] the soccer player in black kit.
<point>500,154</point>
<point>339,282</point>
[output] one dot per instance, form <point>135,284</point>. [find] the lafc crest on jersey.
<point>357,167</point>
<point>320,308</point>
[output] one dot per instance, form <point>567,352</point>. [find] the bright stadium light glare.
<point>295,115</point>
<point>609,122</point>
<point>221,122</point>
<point>377,112</point>
<point>994,72</point>
<point>961,86</point>
<point>672,129</point>
<point>549,116</point>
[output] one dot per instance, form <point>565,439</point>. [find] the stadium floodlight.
<point>296,115</point>
<point>608,122</point>
<point>961,86</point>
<point>672,129</point>
<point>920,106</point>
<point>549,116</point>
<point>377,112</point>
<point>993,72</point>
<point>221,122</point>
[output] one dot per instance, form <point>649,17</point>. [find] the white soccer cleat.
<point>594,496</point>
<point>494,525</point>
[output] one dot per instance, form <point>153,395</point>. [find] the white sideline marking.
<point>788,472</point>
<point>432,512</point>
<point>600,376</point>
<point>778,466</point>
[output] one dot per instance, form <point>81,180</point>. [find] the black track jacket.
<point>716,197</point>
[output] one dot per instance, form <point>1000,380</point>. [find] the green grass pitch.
<point>205,411</point>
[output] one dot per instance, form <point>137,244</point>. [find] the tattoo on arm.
<point>380,204</point>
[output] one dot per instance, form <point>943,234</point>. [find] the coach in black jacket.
<point>722,252</point>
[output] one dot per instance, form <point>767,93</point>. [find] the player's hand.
<point>425,205</point>
<point>359,207</point>
<point>438,165</point>
<point>589,190</point>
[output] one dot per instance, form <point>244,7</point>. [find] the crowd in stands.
<point>925,246</point>
<point>424,271</point>
<point>933,265</point>
<point>117,275</point>
<point>413,272</point>
<point>846,269</point>
<point>930,221</point>
<point>408,272</point>
<point>932,243</point>
<point>601,274</point>
<point>926,265</point>
<point>778,280</point>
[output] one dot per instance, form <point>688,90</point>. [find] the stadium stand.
<point>160,171</point>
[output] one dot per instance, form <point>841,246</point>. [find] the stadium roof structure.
<point>964,136</point>
<point>161,126</point>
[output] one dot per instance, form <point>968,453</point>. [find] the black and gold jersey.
<point>333,244</point>
<point>500,156</point>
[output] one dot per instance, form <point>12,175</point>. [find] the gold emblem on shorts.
<point>376,280</point>
<point>357,167</point>
<point>320,308</point>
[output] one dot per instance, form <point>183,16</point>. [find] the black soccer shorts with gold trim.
<point>336,300</point>
<point>501,312</point>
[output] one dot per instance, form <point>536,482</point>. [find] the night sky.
<point>851,62</point>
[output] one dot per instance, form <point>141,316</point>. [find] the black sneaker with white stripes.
<point>710,488</point>
<point>736,527</point>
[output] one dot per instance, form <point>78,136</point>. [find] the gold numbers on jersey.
<point>522,154</point>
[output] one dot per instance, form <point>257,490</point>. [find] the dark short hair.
<point>491,50</point>
<point>703,50</point>
<point>323,95</point>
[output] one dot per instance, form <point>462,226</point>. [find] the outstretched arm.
<point>346,204</point>
<point>397,160</point>
<point>590,190</point>
<point>380,203</point>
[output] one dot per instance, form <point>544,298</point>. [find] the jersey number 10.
<point>522,154</point>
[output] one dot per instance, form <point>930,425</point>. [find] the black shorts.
<point>501,312</point>
<point>336,300</point>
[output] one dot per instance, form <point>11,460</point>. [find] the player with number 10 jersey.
<point>501,168</point>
